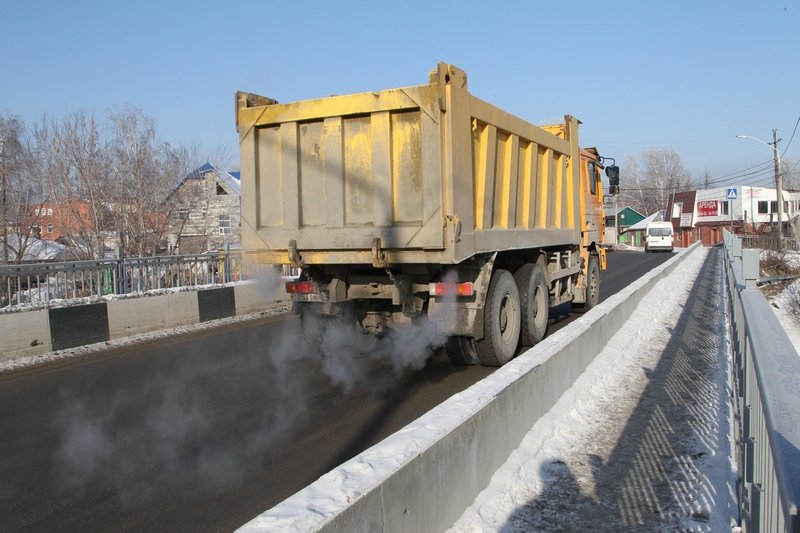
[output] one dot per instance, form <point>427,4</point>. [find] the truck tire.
<point>461,351</point>
<point>534,302</point>
<point>502,321</point>
<point>592,286</point>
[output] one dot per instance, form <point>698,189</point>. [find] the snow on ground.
<point>789,298</point>
<point>780,306</point>
<point>592,464</point>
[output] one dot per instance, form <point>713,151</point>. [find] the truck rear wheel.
<point>502,321</point>
<point>534,302</point>
<point>461,351</point>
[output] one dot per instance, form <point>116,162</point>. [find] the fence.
<point>770,242</point>
<point>766,371</point>
<point>44,282</point>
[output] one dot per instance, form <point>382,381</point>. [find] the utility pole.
<point>778,186</point>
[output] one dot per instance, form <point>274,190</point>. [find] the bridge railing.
<point>766,372</point>
<point>38,283</point>
<point>769,242</point>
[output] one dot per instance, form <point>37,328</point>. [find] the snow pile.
<point>786,307</point>
<point>594,441</point>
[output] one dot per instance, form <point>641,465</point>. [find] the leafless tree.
<point>14,191</point>
<point>145,171</point>
<point>650,186</point>
<point>790,174</point>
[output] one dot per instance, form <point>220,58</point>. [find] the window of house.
<point>49,228</point>
<point>220,190</point>
<point>36,231</point>
<point>183,214</point>
<point>724,208</point>
<point>224,224</point>
<point>763,208</point>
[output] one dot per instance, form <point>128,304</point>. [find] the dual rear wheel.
<point>515,313</point>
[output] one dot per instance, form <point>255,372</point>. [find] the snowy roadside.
<point>780,308</point>
<point>641,440</point>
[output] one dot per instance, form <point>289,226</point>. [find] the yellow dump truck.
<point>423,203</point>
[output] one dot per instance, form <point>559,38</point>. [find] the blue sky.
<point>682,75</point>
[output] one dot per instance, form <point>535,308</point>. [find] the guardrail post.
<point>751,268</point>
<point>736,248</point>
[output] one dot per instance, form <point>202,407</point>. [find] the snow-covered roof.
<point>226,177</point>
<point>658,216</point>
<point>36,249</point>
<point>229,180</point>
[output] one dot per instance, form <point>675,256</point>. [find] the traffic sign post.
<point>730,194</point>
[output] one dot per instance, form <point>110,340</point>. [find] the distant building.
<point>638,232</point>
<point>205,212</point>
<point>52,221</point>
<point>703,214</point>
<point>627,217</point>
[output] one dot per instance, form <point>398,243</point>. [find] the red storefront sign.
<point>708,208</point>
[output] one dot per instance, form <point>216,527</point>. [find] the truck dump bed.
<point>424,174</point>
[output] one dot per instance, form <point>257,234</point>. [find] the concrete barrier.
<point>38,331</point>
<point>24,334</point>
<point>423,477</point>
<point>133,316</point>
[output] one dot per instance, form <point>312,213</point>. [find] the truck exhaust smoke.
<point>179,428</point>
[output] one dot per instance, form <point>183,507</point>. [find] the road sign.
<point>730,193</point>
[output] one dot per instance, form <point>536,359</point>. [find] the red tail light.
<point>300,287</point>
<point>450,289</point>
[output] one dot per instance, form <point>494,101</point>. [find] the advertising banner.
<point>708,208</point>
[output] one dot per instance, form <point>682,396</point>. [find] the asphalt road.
<point>203,433</point>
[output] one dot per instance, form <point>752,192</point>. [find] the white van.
<point>659,237</point>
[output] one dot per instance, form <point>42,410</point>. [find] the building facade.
<point>205,212</point>
<point>703,214</point>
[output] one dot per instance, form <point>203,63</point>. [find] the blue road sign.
<point>730,193</point>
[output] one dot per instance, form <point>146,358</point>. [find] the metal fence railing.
<point>769,242</point>
<point>766,371</point>
<point>35,283</point>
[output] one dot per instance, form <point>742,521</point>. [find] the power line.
<point>792,137</point>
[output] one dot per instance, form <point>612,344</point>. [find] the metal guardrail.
<point>40,283</point>
<point>766,372</point>
<point>769,242</point>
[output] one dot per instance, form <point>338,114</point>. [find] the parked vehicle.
<point>424,201</point>
<point>658,237</point>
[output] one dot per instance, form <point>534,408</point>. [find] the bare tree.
<point>145,171</point>
<point>15,190</point>
<point>790,174</point>
<point>649,187</point>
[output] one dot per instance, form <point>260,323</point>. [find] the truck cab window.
<point>592,178</point>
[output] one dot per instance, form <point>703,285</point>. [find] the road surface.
<point>203,433</point>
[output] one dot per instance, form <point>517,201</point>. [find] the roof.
<point>610,211</point>
<point>37,249</point>
<point>658,216</point>
<point>229,179</point>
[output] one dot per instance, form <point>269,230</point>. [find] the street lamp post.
<point>778,184</point>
